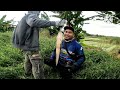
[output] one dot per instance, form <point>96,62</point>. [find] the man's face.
<point>68,34</point>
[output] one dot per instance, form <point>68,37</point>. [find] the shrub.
<point>11,72</point>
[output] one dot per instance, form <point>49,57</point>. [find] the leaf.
<point>45,16</point>
<point>3,18</point>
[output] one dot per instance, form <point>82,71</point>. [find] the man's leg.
<point>27,65</point>
<point>64,72</point>
<point>37,66</point>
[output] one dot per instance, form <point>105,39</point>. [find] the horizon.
<point>94,27</point>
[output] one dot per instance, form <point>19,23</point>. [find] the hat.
<point>68,27</point>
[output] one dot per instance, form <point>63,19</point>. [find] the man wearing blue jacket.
<point>26,38</point>
<point>71,55</point>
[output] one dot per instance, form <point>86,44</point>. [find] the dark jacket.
<point>77,56</point>
<point>26,34</point>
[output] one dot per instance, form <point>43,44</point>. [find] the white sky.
<point>95,27</point>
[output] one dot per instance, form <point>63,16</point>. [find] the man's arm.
<point>80,56</point>
<point>34,21</point>
<point>80,59</point>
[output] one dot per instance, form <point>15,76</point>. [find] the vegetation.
<point>6,25</point>
<point>77,19</point>
<point>102,53</point>
<point>98,65</point>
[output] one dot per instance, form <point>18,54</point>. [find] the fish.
<point>59,39</point>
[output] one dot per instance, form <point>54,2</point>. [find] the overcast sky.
<point>95,27</point>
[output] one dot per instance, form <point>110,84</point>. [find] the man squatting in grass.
<point>71,55</point>
<point>26,38</point>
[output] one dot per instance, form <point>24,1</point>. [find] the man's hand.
<point>60,23</point>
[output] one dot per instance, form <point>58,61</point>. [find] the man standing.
<point>26,38</point>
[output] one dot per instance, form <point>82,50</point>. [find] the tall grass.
<point>111,40</point>
<point>98,64</point>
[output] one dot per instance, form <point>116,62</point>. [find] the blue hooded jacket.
<point>74,49</point>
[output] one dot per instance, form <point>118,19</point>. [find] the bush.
<point>47,45</point>
<point>99,65</point>
<point>11,72</point>
<point>6,25</point>
<point>97,56</point>
<point>104,70</point>
<point>9,56</point>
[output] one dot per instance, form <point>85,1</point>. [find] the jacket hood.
<point>34,12</point>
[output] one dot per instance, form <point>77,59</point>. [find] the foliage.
<point>8,55</point>
<point>52,30</point>
<point>111,16</point>
<point>78,20</point>
<point>74,18</point>
<point>111,40</point>
<point>6,25</point>
<point>98,64</point>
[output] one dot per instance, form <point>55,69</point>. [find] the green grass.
<point>110,40</point>
<point>108,44</point>
<point>98,65</point>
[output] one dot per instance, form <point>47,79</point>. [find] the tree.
<point>111,16</point>
<point>44,16</point>
<point>6,25</point>
<point>76,19</point>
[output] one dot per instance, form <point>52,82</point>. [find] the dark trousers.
<point>65,73</point>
